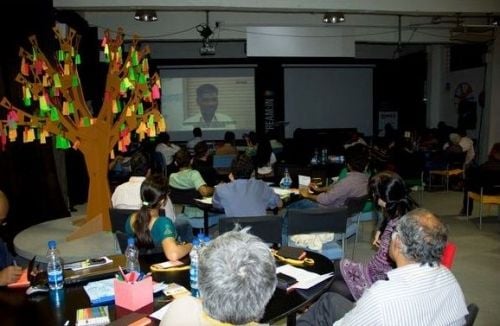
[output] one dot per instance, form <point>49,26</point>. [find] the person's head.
<point>454,138</point>
<point>263,154</point>
<point>237,277</point>
<point>251,138</point>
<point>196,132</point>
<point>201,150</point>
<point>164,137</point>
<point>154,191</point>
<point>207,99</point>
<point>4,206</point>
<point>242,167</point>
<point>139,165</point>
<point>495,153</point>
<point>229,137</point>
<point>389,191</point>
<point>420,237</point>
<point>182,158</point>
<point>356,158</point>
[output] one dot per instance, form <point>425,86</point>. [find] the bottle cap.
<point>131,241</point>
<point>196,241</point>
<point>52,244</point>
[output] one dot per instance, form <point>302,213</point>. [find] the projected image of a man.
<point>207,97</point>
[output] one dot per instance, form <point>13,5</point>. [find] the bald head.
<point>422,237</point>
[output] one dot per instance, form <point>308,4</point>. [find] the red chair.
<point>448,254</point>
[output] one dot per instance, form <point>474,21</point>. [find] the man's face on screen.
<point>208,104</point>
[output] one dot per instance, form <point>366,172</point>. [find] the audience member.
<point>150,228</point>
<point>264,159</point>
<point>352,278</point>
<point>390,193</point>
<point>466,144</point>
<point>187,178</point>
<point>244,195</point>
<point>353,185</point>
<point>228,148</point>
<point>354,140</point>
<point>237,277</point>
<point>9,272</point>
<point>418,292</point>
<point>166,148</point>
<point>203,164</point>
<point>197,134</point>
<point>486,175</point>
<point>251,141</point>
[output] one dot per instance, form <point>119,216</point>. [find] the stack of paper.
<point>305,279</point>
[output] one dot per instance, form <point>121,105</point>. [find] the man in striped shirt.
<point>418,292</point>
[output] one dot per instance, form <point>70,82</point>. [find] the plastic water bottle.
<point>132,256</point>
<point>206,240</point>
<point>193,271</point>
<point>54,267</point>
<point>286,181</point>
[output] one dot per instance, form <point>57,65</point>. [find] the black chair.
<point>118,218</point>
<point>471,317</point>
<point>331,220</point>
<point>355,206</point>
<point>187,197</point>
<point>158,164</point>
<point>268,227</point>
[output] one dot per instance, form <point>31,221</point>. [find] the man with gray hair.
<point>418,292</point>
<point>237,277</point>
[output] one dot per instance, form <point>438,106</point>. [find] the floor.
<point>476,264</point>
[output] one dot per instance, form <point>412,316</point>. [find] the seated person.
<point>486,175</point>
<point>265,159</point>
<point>197,134</point>
<point>9,272</point>
<point>228,148</point>
<point>237,277</point>
<point>128,196</point>
<point>245,196</point>
<point>202,164</point>
<point>418,292</point>
<point>355,184</point>
<point>207,98</point>
<point>251,141</point>
<point>167,149</point>
<point>151,229</point>
<point>187,178</point>
<point>354,140</point>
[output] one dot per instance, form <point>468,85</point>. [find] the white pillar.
<point>490,132</point>
<point>437,70</point>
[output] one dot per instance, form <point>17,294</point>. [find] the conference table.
<point>59,307</point>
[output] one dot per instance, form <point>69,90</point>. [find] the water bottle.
<point>54,267</point>
<point>315,158</point>
<point>193,271</point>
<point>286,181</point>
<point>132,256</point>
<point>324,156</point>
<point>206,240</point>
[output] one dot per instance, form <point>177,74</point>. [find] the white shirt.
<point>167,151</point>
<point>413,295</point>
<point>192,143</point>
<point>268,168</point>
<point>128,196</point>
<point>468,147</point>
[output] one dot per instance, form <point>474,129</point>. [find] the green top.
<point>188,179</point>
<point>162,229</point>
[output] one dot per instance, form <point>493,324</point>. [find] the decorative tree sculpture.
<point>129,104</point>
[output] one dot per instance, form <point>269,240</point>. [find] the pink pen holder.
<point>133,296</point>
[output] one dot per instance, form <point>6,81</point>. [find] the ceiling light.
<point>146,16</point>
<point>333,18</point>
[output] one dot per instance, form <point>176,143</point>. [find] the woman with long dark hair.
<point>391,195</point>
<point>264,158</point>
<point>151,229</point>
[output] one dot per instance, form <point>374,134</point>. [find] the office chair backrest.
<point>471,317</point>
<point>222,161</point>
<point>302,221</point>
<point>158,164</point>
<point>268,227</point>
<point>118,218</point>
<point>356,205</point>
<point>184,196</point>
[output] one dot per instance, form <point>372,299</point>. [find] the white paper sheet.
<point>305,279</point>
<point>158,314</point>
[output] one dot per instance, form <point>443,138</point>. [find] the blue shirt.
<point>245,197</point>
<point>162,229</point>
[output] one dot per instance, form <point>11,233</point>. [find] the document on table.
<point>206,200</point>
<point>100,291</point>
<point>283,193</point>
<point>305,279</point>
<point>158,314</point>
